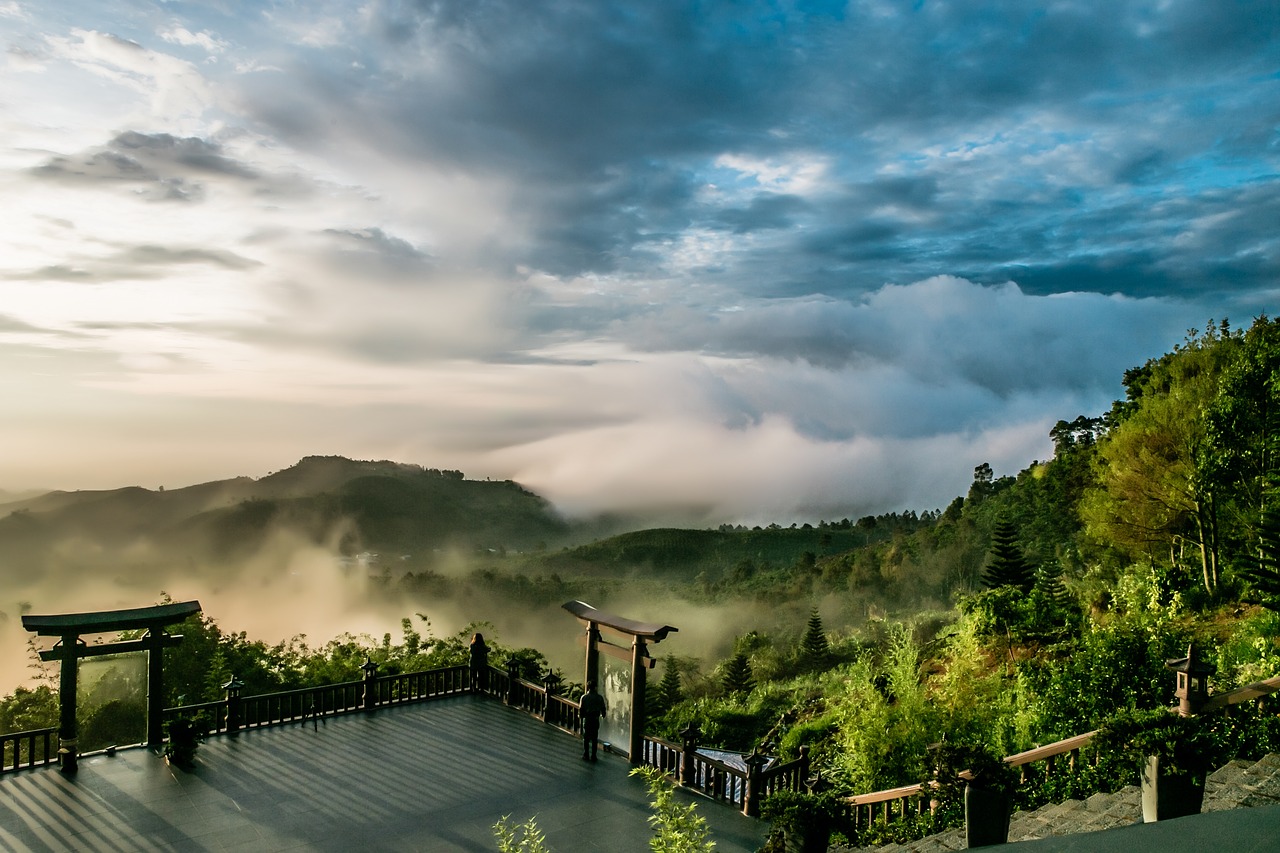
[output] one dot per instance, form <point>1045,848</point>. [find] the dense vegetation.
<point>1032,608</point>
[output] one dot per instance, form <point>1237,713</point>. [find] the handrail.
<point>862,804</point>
<point>876,797</point>
<point>11,749</point>
<point>326,700</point>
<point>1256,690</point>
<point>1052,750</point>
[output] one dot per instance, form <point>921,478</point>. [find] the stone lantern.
<point>1193,681</point>
<point>235,704</point>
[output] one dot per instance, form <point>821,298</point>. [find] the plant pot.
<point>986,816</point>
<point>1166,796</point>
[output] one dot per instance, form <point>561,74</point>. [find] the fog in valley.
<point>292,586</point>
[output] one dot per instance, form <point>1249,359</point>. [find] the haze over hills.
<point>345,505</point>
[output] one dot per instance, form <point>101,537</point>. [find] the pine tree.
<point>1007,566</point>
<point>814,650</point>
<point>1265,576</point>
<point>669,692</point>
<point>737,677</point>
<point>1049,584</point>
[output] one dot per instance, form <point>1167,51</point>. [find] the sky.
<point>744,261</point>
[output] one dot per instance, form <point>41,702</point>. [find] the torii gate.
<point>70,648</point>
<point>637,655</point>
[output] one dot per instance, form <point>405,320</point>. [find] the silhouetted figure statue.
<point>479,663</point>
<point>593,707</point>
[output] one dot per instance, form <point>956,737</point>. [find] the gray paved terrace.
<point>433,776</point>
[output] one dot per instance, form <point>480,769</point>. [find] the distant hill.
<point>346,504</point>
<point>683,553</point>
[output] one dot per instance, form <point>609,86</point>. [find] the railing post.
<point>689,748</point>
<point>235,705</point>
<point>751,796</point>
<point>513,680</point>
<point>551,684</point>
<point>370,685</point>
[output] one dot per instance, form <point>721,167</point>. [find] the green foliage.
<point>953,767</point>
<point>29,708</point>
<point>802,813</point>
<point>519,838</point>
<point>1184,745</point>
<point>677,828</point>
<point>1107,669</point>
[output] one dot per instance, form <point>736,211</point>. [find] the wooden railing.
<point>910,800</point>
<point>1040,762</point>
<point>724,783</point>
<point>1052,755</point>
<point>288,706</point>
<point>33,748</point>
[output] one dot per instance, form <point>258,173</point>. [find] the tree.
<point>669,692</point>
<point>1155,496</point>
<point>1264,577</point>
<point>737,676</point>
<point>815,652</point>
<point>1007,566</point>
<point>1243,429</point>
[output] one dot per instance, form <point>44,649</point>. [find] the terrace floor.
<point>433,776</point>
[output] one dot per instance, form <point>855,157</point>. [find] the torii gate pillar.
<point>640,634</point>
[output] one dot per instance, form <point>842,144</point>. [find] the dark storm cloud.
<point>603,115</point>
<point>765,212</point>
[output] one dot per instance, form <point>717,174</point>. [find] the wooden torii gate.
<point>68,627</point>
<point>637,654</point>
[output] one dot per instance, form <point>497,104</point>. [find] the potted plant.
<point>184,738</point>
<point>802,822</point>
<point>1171,754</point>
<point>984,783</point>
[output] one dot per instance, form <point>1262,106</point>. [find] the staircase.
<point>1240,784</point>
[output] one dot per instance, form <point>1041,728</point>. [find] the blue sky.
<point>751,261</point>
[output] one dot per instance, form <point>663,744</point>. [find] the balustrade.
<point>719,781</point>
<point>33,748</point>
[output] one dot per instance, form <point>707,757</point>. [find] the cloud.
<point>134,262</point>
<point>175,88</point>
<point>162,166</point>
<point>702,246</point>
<point>204,40</point>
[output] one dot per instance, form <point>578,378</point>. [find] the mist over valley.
<point>334,546</point>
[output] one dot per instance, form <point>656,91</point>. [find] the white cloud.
<point>203,39</point>
<point>800,173</point>
<point>175,90</point>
